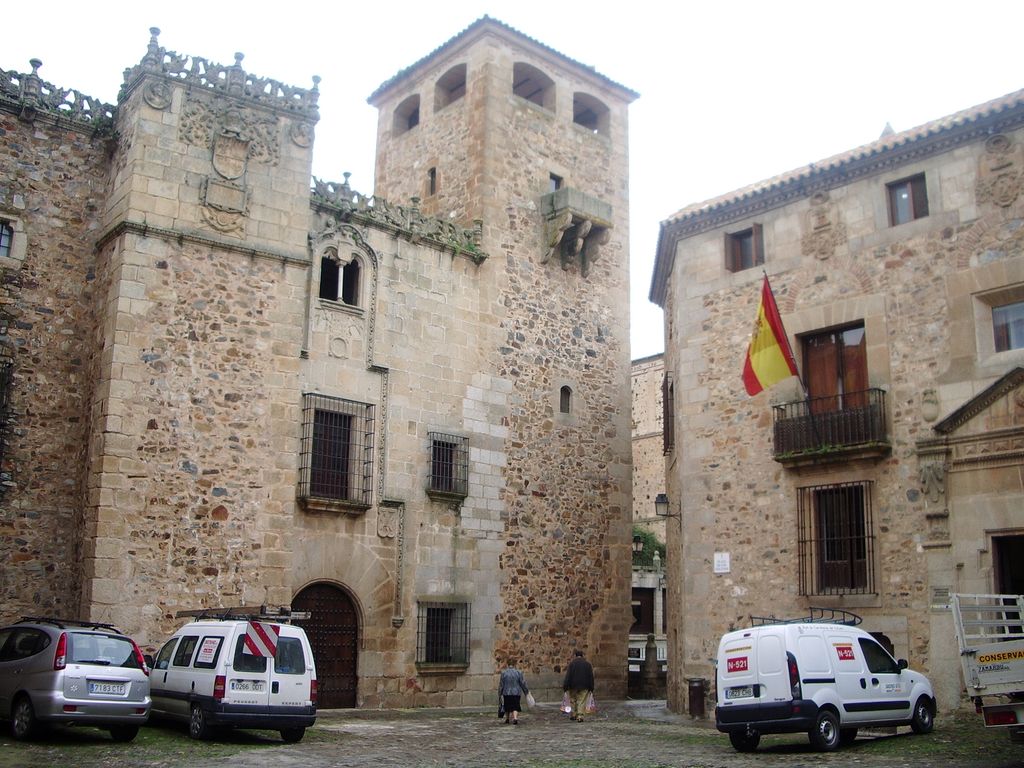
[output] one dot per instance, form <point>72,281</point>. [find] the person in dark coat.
<point>511,687</point>
<point>579,684</point>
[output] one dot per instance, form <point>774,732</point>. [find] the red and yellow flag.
<point>769,356</point>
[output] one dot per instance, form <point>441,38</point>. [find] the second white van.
<point>824,679</point>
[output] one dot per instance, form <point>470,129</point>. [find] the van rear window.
<point>247,662</point>
<point>289,659</point>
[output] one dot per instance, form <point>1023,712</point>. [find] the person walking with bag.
<point>579,684</point>
<point>512,686</point>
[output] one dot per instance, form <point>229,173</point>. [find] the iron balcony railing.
<point>822,425</point>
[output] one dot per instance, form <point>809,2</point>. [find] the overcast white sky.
<point>731,92</point>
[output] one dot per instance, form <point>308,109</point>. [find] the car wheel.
<point>198,726</point>
<point>23,719</point>
<point>847,736</point>
<point>824,735</point>
<point>292,735</point>
<point>124,733</point>
<point>744,741</point>
<point>923,720</point>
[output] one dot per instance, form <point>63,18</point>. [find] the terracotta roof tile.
<point>836,162</point>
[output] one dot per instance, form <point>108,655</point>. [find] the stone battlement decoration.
<point>407,221</point>
<point>29,96</point>
<point>229,80</point>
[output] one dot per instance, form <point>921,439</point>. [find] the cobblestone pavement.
<point>624,734</point>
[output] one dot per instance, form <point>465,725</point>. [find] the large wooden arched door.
<point>333,630</point>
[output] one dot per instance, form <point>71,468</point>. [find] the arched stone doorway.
<point>333,630</point>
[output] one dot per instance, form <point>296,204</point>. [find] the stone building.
<point>226,385</point>
<point>896,478</point>
<point>648,598</point>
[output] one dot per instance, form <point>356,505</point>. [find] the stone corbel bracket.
<point>576,226</point>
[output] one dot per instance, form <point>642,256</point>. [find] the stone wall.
<point>52,186</point>
<point>648,440</point>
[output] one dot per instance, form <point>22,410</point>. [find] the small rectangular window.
<point>745,249</point>
<point>668,406</point>
<point>1008,326</point>
<point>431,182</point>
<point>554,182</point>
<point>6,239</point>
<point>908,200</point>
<point>449,464</point>
<point>442,633</point>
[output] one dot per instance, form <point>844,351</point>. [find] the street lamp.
<point>661,506</point>
<point>638,544</point>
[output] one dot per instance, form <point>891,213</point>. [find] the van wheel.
<point>847,736</point>
<point>124,733</point>
<point>923,720</point>
<point>292,735</point>
<point>744,741</point>
<point>23,720</point>
<point>824,735</point>
<point>198,725</point>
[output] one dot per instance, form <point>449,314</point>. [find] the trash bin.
<point>697,687</point>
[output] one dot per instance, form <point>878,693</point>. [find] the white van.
<point>825,679</point>
<point>231,669</point>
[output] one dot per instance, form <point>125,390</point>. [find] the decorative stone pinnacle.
<point>35,64</point>
<point>238,59</point>
<point>316,82</point>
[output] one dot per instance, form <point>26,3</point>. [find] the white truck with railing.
<point>990,633</point>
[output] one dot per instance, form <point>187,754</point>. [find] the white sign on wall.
<point>722,564</point>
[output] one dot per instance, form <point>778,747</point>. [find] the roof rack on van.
<point>280,614</point>
<point>65,623</point>
<point>816,616</point>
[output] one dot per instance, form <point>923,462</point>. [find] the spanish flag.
<point>769,356</point>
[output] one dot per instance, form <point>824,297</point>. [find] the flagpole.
<point>799,377</point>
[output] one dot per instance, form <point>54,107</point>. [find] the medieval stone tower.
<point>408,413</point>
<point>496,128</point>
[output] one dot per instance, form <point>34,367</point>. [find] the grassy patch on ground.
<point>157,745</point>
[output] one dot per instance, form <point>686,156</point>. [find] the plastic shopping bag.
<point>530,701</point>
<point>591,704</point>
<point>566,706</point>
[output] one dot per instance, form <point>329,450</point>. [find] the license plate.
<point>251,686</point>
<point>744,692</point>
<point>110,689</point>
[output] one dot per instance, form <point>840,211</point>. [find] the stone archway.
<point>333,630</point>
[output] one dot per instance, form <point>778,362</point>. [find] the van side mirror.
<point>902,664</point>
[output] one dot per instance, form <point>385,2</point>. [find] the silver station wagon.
<point>58,671</point>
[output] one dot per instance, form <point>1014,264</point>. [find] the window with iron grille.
<point>449,464</point>
<point>836,539</point>
<point>337,452</point>
<point>668,406</point>
<point>442,633</point>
